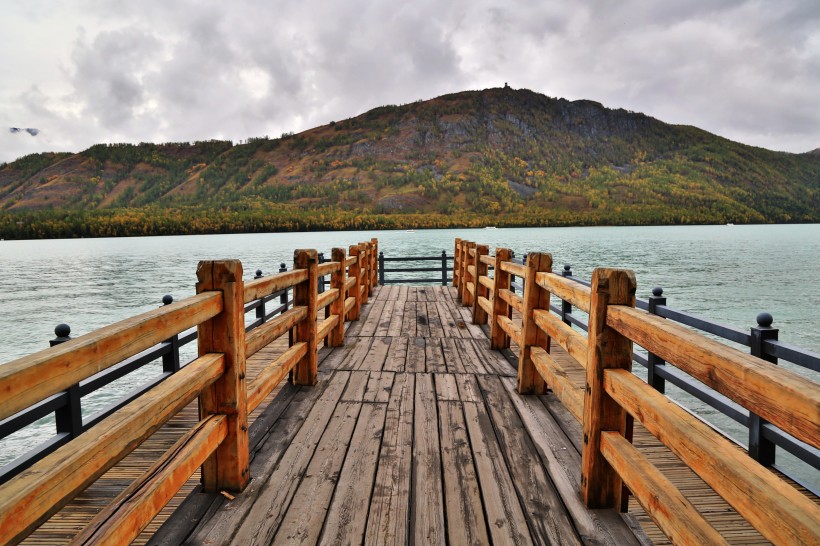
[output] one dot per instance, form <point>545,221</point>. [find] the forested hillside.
<point>493,157</point>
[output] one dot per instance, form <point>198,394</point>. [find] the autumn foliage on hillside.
<point>492,157</point>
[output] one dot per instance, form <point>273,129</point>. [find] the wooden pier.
<point>407,428</point>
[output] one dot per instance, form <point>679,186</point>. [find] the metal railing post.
<point>761,449</point>
<point>443,268</point>
<point>652,360</point>
<point>566,307</point>
<point>170,361</point>
<point>69,417</point>
<point>381,268</point>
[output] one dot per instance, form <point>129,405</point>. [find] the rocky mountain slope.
<point>498,156</point>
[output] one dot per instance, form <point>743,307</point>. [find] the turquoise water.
<point>726,273</point>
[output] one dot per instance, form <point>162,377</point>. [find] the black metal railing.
<point>442,269</point>
<point>67,406</point>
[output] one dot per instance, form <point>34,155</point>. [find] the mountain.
<point>497,156</point>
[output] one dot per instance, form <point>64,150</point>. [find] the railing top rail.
<point>32,378</point>
<point>782,397</point>
<point>264,286</point>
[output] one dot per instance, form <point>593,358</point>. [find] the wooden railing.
<point>612,397</point>
<point>219,442</point>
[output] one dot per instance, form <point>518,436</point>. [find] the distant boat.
<point>730,224</point>
<point>490,227</point>
<point>410,230</point>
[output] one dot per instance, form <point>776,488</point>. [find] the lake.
<point>726,273</point>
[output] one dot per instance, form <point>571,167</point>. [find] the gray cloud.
<point>158,70</point>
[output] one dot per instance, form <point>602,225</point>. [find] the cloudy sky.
<point>88,71</point>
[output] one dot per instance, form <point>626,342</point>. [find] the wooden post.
<point>479,314</point>
<point>374,280</point>
<point>356,272</point>
<point>228,467</point>
<point>466,297</point>
<point>365,271</point>
<point>305,293</point>
<point>498,338</point>
<point>462,264</point>
<point>456,262</point>
<point>600,484</point>
<point>535,297</point>
<point>336,338</point>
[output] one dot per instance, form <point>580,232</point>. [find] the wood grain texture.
<point>265,334</point>
<point>123,520</point>
<point>464,511</point>
<point>30,379</point>
<point>573,342</point>
<point>568,290</point>
<point>32,496</point>
<point>562,460</point>
<point>673,513</point>
<point>265,286</point>
<point>535,297</point>
<point>228,467</point>
<point>427,517</point>
<point>546,517</point>
<point>774,508</point>
<point>389,517</point>
<point>780,396</point>
<point>305,295</point>
<point>498,337</point>
<point>264,383</point>
<point>562,386</point>
<point>600,485</point>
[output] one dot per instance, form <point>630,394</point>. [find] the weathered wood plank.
<point>471,361</point>
<point>302,523</point>
<point>422,320</point>
<point>504,513</point>
<point>446,388</point>
<point>452,358</point>
<point>468,389</point>
<point>408,326</point>
<point>347,516</point>
<point>416,348</point>
<point>356,385</point>
<point>389,519</point>
<point>546,516</point>
<point>350,356</point>
<point>276,490</point>
<point>371,321</point>
<point>397,318</point>
<point>396,354</point>
<point>376,355</point>
<point>379,386</point>
<point>222,521</point>
<point>427,513</point>
<point>434,357</point>
<point>434,320</point>
<point>562,461</point>
<point>386,318</point>
<point>464,512</point>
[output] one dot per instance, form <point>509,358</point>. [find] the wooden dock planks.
<point>413,435</point>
